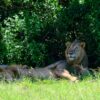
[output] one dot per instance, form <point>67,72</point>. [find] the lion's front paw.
<point>74,79</point>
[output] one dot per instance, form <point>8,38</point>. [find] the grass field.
<point>50,90</point>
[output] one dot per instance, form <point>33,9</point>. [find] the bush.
<point>35,33</point>
<point>22,34</point>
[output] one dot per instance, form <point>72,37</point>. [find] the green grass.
<point>50,90</point>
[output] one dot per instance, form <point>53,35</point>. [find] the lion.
<point>76,60</point>
<point>75,53</point>
<point>75,65</point>
<point>12,73</point>
<point>60,70</point>
<point>6,74</point>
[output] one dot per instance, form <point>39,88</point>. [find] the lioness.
<point>76,60</point>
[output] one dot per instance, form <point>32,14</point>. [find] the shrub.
<point>35,33</point>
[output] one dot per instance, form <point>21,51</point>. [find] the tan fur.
<point>80,55</point>
<point>6,74</point>
<point>76,56</point>
<point>12,73</point>
<point>43,73</point>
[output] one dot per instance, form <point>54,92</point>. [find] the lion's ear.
<point>83,44</point>
<point>68,44</point>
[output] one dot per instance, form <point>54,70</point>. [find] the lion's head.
<point>75,53</point>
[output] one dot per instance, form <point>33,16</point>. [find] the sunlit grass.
<point>88,89</point>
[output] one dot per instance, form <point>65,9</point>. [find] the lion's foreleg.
<point>81,71</point>
<point>65,74</point>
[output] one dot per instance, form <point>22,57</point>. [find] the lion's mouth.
<point>71,57</point>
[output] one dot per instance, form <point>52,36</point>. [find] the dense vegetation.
<point>34,32</point>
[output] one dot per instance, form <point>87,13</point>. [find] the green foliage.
<point>14,47</point>
<point>80,19</point>
<point>34,32</point>
<point>22,34</point>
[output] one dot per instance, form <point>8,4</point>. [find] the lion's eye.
<point>72,51</point>
<point>76,48</point>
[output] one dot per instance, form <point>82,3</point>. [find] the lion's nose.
<point>71,52</point>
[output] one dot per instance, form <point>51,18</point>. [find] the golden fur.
<point>76,56</point>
